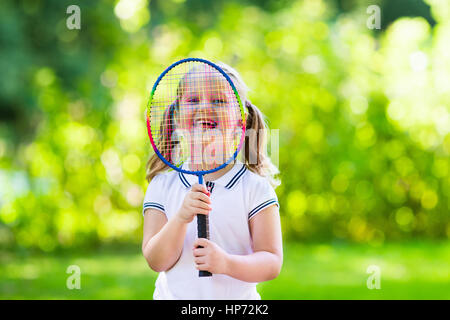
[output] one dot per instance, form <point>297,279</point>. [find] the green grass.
<point>408,271</point>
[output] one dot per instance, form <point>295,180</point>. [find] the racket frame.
<point>180,169</point>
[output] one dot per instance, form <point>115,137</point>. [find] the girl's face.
<point>208,119</point>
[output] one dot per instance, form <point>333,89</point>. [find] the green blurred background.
<point>364,139</point>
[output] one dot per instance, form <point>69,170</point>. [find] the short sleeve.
<point>155,195</point>
<point>262,196</point>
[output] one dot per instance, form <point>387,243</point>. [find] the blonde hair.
<point>256,149</point>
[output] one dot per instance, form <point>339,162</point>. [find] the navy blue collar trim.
<point>184,180</point>
<point>236,177</point>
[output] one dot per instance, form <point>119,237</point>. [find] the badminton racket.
<point>196,122</point>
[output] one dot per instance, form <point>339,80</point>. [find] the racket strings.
<point>195,117</point>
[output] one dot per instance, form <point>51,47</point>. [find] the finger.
<point>200,204</point>
<point>199,252</point>
<point>200,260</point>
<point>200,211</point>
<point>201,242</point>
<point>203,267</point>
<point>199,188</point>
<point>201,196</point>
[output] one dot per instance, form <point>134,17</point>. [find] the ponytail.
<point>255,154</point>
<point>154,164</point>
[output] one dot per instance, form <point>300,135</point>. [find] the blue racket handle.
<point>202,231</point>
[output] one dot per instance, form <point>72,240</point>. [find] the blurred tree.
<point>363,118</point>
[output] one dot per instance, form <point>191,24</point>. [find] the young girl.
<point>245,245</point>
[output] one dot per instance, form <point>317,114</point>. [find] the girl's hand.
<point>211,257</point>
<point>195,202</point>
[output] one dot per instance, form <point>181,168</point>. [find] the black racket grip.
<point>202,231</point>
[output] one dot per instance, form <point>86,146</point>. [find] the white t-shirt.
<point>236,197</point>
